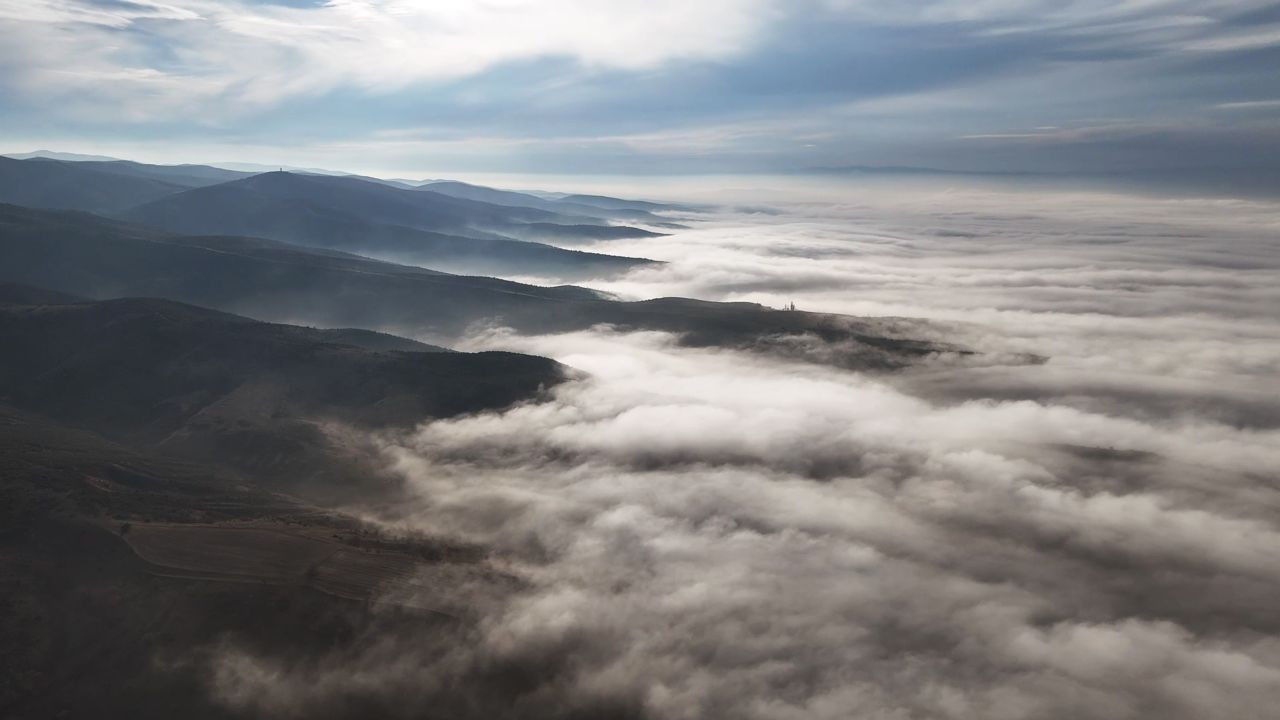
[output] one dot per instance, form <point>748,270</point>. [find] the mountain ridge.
<point>83,254</point>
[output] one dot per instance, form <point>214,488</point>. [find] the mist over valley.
<point>567,360</point>
<point>937,452</point>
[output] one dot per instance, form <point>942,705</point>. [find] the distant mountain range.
<point>226,390</point>
<point>604,207</point>
<point>79,186</point>
<point>368,218</point>
<point>98,258</point>
<point>381,219</point>
<point>345,251</point>
<point>54,155</point>
<point>1226,181</point>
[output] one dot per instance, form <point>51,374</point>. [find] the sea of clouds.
<point>702,533</point>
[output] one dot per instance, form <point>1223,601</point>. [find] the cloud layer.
<point>247,56</point>
<point>412,86</point>
<point>702,533</point>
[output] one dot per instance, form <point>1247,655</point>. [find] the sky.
<point>665,86</point>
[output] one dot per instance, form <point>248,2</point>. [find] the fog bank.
<point>701,533</point>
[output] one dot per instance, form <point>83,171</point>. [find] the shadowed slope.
<point>275,281</point>
<point>211,387</point>
<point>368,201</point>
<point>298,209</point>
<point>120,569</point>
<point>518,199</point>
<point>76,186</point>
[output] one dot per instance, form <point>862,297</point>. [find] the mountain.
<point>99,185</point>
<point>123,573</point>
<point>52,155</point>
<point>518,199</point>
<point>307,211</point>
<point>144,448</point>
<point>367,200</point>
<point>187,176</point>
<point>99,258</point>
<point>569,234</point>
<point>87,255</point>
<point>14,294</point>
<point>144,445</point>
<point>345,212</point>
<point>612,203</point>
<point>256,168</point>
<point>76,186</point>
<point>374,340</point>
<point>225,390</point>
<point>241,206</point>
<point>480,193</point>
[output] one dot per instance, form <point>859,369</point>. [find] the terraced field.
<point>279,557</point>
<point>357,575</point>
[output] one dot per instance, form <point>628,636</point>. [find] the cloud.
<point>742,85</point>
<point>1250,40</point>
<point>703,533</point>
<point>106,14</point>
<point>1083,16</point>
<point>1249,105</point>
<point>246,56</point>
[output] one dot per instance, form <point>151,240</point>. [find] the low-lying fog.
<point>711,534</point>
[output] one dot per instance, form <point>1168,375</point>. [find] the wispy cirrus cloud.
<point>239,52</point>
<point>1249,105</point>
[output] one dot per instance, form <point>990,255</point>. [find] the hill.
<point>220,389</point>
<point>375,221</point>
<point>569,234</point>
<point>613,203</point>
<point>262,197</point>
<point>186,176</point>
<point>367,200</point>
<point>55,155</point>
<point>553,204</point>
<point>143,447</point>
<point>54,184</point>
<point>87,255</point>
<point>121,569</point>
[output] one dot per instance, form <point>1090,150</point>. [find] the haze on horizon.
<point>722,86</point>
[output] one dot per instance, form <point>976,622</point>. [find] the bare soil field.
<point>358,575</point>
<point>273,556</point>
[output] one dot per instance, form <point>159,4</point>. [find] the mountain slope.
<point>519,199</point>
<point>142,443</point>
<point>86,255</point>
<point>264,197</point>
<point>188,176</point>
<point>121,571</point>
<point>613,203</point>
<point>570,234</point>
<point>279,208</point>
<point>54,155</point>
<point>76,186</point>
<point>366,200</point>
<point>212,387</point>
